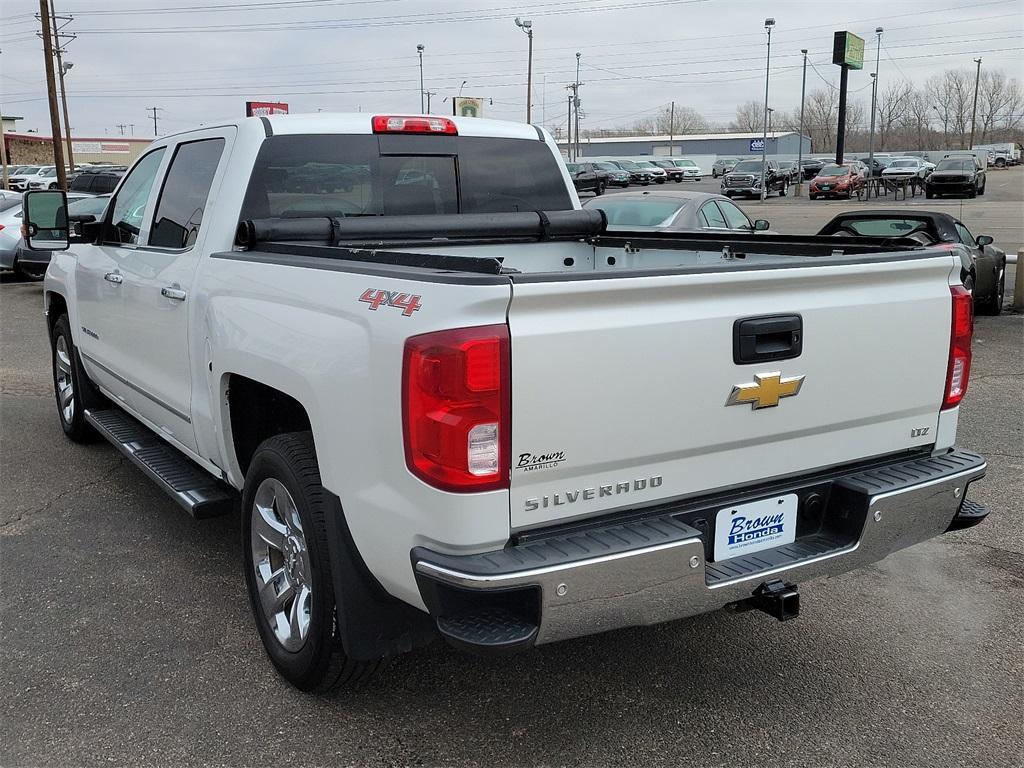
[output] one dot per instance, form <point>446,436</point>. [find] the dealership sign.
<point>100,147</point>
<point>467,106</point>
<point>848,50</point>
<point>757,145</point>
<point>264,108</point>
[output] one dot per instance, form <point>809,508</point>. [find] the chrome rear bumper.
<point>653,569</point>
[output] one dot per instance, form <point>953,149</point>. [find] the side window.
<point>129,206</point>
<point>712,217</point>
<point>179,210</point>
<point>736,218</point>
<point>965,235</point>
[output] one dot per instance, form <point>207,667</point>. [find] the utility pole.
<point>671,128</point>
<point>62,69</point>
<point>3,156</point>
<point>121,127</point>
<point>800,151</point>
<point>154,110</point>
<point>974,110</point>
<point>568,125</point>
<point>51,93</point>
<point>428,95</point>
<point>131,127</point>
<point>527,26</point>
<point>576,104</point>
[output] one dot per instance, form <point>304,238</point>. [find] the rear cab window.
<point>391,175</point>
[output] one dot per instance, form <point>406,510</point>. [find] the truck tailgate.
<point>620,385</point>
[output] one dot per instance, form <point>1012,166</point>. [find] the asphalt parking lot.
<point>127,637</point>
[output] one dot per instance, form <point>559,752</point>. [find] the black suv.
<point>956,175</point>
<point>745,179</point>
<point>97,181</point>
<point>585,179</point>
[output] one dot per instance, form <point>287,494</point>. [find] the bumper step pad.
<point>971,513</point>
<point>487,628</point>
<point>194,489</point>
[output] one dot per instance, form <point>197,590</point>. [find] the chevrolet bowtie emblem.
<point>765,391</point>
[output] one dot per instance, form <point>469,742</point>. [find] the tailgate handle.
<point>761,339</point>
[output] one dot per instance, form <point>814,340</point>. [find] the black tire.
<point>67,369</point>
<point>994,306</point>
<point>928,195</point>
<point>320,664</point>
<point>784,189</point>
<point>53,186</point>
<point>600,189</point>
<point>982,190</point>
<point>969,284</point>
<point>973,193</point>
<point>813,197</point>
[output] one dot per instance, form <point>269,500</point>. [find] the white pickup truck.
<point>449,403</point>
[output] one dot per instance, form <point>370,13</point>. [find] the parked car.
<point>673,171</point>
<point>811,166</point>
<point>503,430</point>
<point>745,179</point>
<point>984,270</point>
<point>19,182</point>
<point>836,181</point>
<point>614,176</point>
<point>962,176</point>
<point>676,211</point>
<point>722,166</point>
<point>98,181</point>
<point>585,179</point>
<point>46,179</point>
<point>637,175</point>
<point>906,168</point>
<point>691,171</point>
<point>789,167</point>
<point>10,228</point>
<point>658,175</point>
<point>873,167</point>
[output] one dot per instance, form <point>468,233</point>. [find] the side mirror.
<point>45,220</point>
<point>760,225</point>
<point>984,240</point>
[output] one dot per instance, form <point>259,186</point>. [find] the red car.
<point>836,181</point>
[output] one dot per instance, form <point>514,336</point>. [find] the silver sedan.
<point>675,211</point>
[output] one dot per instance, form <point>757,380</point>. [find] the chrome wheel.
<point>65,380</point>
<point>280,560</point>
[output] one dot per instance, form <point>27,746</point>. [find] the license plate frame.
<point>743,529</point>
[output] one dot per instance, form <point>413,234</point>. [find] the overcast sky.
<point>200,62</point>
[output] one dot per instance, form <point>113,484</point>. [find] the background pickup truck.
<point>745,179</point>
<point>448,402</point>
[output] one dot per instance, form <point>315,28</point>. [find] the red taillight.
<point>413,124</point>
<point>961,328</point>
<point>1,227</point>
<point>456,408</point>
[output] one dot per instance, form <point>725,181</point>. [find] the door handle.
<point>113,277</point>
<point>171,292</point>
<point>763,339</point>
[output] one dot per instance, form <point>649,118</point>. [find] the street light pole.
<point>974,110</point>
<point>419,50</point>
<point>874,101</point>
<point>800,150</point>
<point>527,26</point>
<point>768,24</point>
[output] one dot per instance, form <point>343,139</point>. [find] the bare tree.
<point>749,117</point>
<point>953,94</point>
<point>893,104</point>
<point>999,104</point>
<point>667,121</point>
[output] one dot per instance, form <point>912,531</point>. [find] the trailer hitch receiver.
<point>777,599</point>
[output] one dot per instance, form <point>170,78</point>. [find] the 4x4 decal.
<point>377,298</point>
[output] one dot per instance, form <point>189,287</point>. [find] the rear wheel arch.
<point>257,412</point>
